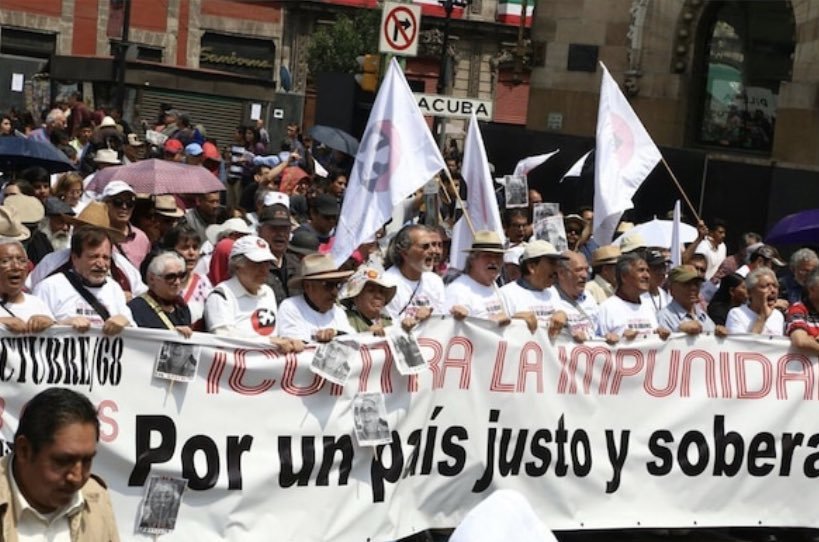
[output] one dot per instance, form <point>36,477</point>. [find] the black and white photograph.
<point>177,361</point>
<point>370,419</point>
<point>542,211</point>
<point>516,191</point>
<point>332,361</point>
<point>406,352</point>
<point>160,505</point>
<point>553,231</point>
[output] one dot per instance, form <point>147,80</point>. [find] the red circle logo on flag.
<point>378,155</point>
<point>263,321</point>
<point>623,139</point>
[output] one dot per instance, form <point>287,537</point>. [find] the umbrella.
<point>657,233</point>
<point>335,139</point>
<point>159,177</point>
<point>18,153</point>
<point>798,228</point>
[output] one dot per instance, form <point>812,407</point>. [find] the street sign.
<point>434,105</point>
<point>399,29</point>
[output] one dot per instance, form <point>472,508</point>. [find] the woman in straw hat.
<point>314,315</point>
<point>365,297</point>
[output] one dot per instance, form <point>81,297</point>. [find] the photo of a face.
<point>332,361</point>
<point>177,361</point>
<point>370,419</point>
<point>160,506</point>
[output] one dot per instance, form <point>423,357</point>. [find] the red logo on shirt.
<point>263,321</point>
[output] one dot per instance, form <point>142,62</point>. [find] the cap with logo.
<point>275,215</point>
<point>253,248</point>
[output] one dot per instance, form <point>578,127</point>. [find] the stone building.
<point>729,88</point>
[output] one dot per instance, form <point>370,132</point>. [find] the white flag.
<point>528,164</point>
<point>624,156</point>
<point>481,203</point>
<point>397,156</point>
<point>577,168</point>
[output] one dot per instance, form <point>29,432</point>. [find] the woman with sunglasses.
<point>162,306</point>
<point>120,199</point>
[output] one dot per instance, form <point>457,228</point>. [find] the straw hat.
<point>605,255</point>
<point>106,156</point>
<point>361,277</point>
<point>96,214</point>
<point>215,232</point>
<point>10,226</point>
<point>486,241</point>
<point>540,249</point>
<point>29,209</point>
<point>317,267</point>
<point>632,242</point>
<point>165,205</point>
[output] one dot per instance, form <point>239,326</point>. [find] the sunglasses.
<point>171,277</point>
<point>121,202</point>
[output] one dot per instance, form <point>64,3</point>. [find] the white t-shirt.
<point>65,302</point>
<point>54,260</point>
<point>231,310</point>
<point>582,316</point>
<point>429,293</point>
<point>656,302</point>
<point>713,256</point>
<point>30,306</point>
<point>741,319</point>
<point>617,315</point>
<point>481,301</point>
<point>517,299</point>
<point>298,320</point>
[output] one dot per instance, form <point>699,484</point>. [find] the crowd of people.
<point>252,260</point>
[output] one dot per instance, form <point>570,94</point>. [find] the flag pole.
<point>680,188</point>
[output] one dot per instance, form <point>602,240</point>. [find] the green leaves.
<point>334,48</point>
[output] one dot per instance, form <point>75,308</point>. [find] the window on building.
<point>748,49</point>
<point>28,43</point>
<point>140,52</point>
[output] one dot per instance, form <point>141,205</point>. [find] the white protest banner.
<point>683,433</point>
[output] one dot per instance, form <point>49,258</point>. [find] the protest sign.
<point>684,433</point>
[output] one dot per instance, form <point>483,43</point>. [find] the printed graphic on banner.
<point>177,361</point>
<point>331,361</point>
<point>399,29</point>
<point>406,352</point>
<point>649,431</point>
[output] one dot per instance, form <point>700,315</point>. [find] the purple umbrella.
<point>159,177</point>
<point>796,229</point>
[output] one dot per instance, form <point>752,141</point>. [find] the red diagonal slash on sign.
<point>400,28</point>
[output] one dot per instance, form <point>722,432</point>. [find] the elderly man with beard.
<point>83,294</point>
<point>474,293</point>
<point>580,307</point>
<point>684,312</point>
<point>53,231</point>
<point>420,291</point>
<point>532,294</point>
<point>624,314</point>
<point>19,311</point>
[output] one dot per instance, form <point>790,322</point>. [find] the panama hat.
<point>540,249</point>
<point>96,214</point>
<point>165,205</point>
<point>28,208</point>
<point>317,267</point>
<point>215,232</point>
<point>607,254</point>
<point>10,226</point>
<point>486,241</point>
<point>632,242</point>
<point>361,277</point>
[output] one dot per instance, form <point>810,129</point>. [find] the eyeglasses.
<point>171,277</point>
<point>21,261</point>
<point>424,246</point>
<point>120,202</point>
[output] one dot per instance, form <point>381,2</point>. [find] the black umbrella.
<point>335,139</point>
<point>17,153</point>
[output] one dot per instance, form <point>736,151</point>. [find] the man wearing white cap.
<point>532,294</point>
<point>244,306</point>
<point>120,199</point>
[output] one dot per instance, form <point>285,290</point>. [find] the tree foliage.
<point>334,48</point>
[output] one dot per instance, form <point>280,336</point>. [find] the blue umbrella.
<point>800,228</point>
<point>18,153</point>
<point>335,138</point>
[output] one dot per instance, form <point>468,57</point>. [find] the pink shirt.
<point>135,246</point>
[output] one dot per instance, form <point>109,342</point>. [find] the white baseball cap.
<point>253,248</point>
<point>116,187</point>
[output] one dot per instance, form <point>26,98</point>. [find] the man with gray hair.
<point>19,311</point>
<point>420,291</point>
<point>580,307</point>
<point>624,314</point>
<point>55,120</point>
<point>793,286</point>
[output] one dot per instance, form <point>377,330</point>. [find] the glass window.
<point>748,53</point>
